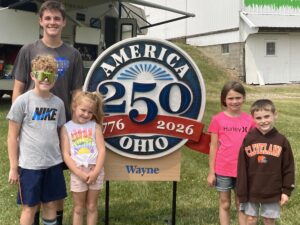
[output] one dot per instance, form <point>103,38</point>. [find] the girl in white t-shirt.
<point>83,150</point>
<point>228,129</point>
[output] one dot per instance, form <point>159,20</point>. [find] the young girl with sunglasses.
<point>228,129</point>
<point>83,150</point>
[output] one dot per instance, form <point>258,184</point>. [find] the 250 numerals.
<point>165,95</point>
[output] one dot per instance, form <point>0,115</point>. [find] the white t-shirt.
<point>82,138</point>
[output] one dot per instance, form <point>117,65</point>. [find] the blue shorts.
<point>224,183</point>
<point>41,186</point>
<point>266,210</point>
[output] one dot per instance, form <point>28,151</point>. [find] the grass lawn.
<point>149,203</point>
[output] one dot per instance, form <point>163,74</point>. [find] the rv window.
<point>88,52</point>
<point>126,31</point>
<point>270,48</point>
<point>95,23</point>
<point>80,17</point>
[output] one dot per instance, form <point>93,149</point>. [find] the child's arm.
<point>65,148</point>
<point>242,176</point>
<point>13,152</point>
<point>211,178</point>
<point>101,155</point>
<point>288,171</point>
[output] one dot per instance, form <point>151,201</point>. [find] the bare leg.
<point>49,210</point>
<point>268,221</point>
<point>251,220</point>
<point>27,214</point>
<point>241,215</point>
<point>79,201</point>
<point>224,207</point>
<point>92,207</point>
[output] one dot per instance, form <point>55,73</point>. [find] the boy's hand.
<point>211,179</point>
<point>284,199</point>
<point>13,176</point>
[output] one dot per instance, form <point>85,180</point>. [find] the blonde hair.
<point>94,97</point>
<point>45,63</point>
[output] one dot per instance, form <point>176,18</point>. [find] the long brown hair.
<point>231,85</point>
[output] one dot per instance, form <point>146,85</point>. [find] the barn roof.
<point>271,20</point>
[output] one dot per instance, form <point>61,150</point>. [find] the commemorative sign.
<point>154,97</point>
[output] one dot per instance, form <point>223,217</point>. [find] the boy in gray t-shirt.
<point>33,144</point>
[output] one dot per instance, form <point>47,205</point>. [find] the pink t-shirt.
<point>231,132</point>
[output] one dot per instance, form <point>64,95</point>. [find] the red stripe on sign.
<point>162,125</point>
<point>202,145</point>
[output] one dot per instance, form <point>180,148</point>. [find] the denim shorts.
<point>224,183</point>
<point>267,210</point>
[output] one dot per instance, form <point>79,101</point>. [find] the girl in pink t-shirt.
<point>228,129</point>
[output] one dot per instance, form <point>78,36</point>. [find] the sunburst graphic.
<point>133,71</point>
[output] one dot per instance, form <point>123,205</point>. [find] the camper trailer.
<point>92,26</point>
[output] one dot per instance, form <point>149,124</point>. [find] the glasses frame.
<point>42,75</point>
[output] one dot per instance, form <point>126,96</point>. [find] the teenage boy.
<point>70,67</point>
<point>33,145</point>
<point>266,172</point>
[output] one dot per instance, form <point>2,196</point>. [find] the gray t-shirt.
<point>70,69</point>
<point>40,119</point>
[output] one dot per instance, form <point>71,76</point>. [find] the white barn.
<point>258,41</point>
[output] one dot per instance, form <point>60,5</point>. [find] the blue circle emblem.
<point>154,97</point>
